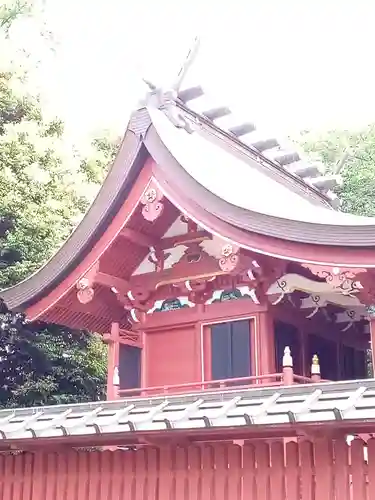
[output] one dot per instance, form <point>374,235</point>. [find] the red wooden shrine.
<point>213,260</point>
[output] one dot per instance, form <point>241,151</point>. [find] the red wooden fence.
<point>323,470</point>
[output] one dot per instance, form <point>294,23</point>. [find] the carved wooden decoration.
<point>341,279</point>
<point>85,285</point>
<point>153,207</point>
<point>230,258</point>
<point>131,338</point>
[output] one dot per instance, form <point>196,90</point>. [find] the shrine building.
<point>208,250</point>
<point>235,299</point>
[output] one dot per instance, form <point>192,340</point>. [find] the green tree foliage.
<point>357,193</point>
<point>47,364</point>
<point>46,185</point>
<point>12,10</point>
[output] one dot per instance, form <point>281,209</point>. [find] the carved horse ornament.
<point>291,282</point>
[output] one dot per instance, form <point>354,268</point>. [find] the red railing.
<point>268,380</point>
<point>286,377</point>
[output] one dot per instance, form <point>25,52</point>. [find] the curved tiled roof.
<point>185,144</point>
<point>262,145</point>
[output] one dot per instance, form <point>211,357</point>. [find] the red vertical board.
<point>262,476</point>
<point>194,460</point>
<point>323,469</point>
<point>292,471</point>
<point>234,472</point>
<point>358,470</point>
<point>341,469</point>
<point>248,466</point>
<point>277,479</point>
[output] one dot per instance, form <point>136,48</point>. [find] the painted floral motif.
<point>230,258</point>
<point>153,207</point>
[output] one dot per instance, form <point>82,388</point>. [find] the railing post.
<point>288,375</point>
<point>315,369</point>
<point>116,382</point>
<point>112,341</point>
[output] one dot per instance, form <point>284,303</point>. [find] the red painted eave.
<point>57,305</point>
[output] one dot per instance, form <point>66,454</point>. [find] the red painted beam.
<point>164,243</point>
<point>138,238</point>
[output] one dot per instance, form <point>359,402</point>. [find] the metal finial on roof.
<point>149,84</point>
<point>341,163</point>
<point>191,55</point>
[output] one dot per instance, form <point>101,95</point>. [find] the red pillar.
<point>112,340</point>
<point>372,338</point>
<point>266,345</point>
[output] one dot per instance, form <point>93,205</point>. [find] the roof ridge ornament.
<point>165,99</point>
<point>186,65</point>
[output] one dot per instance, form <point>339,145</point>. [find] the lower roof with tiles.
<point>243,413</point>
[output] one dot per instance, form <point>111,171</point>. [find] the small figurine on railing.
<point>315,369</point>
<point>116,382</point>
<point>288,376</point>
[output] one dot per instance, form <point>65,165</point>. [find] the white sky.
<point>289,64</point>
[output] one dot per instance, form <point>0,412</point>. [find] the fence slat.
<point>105,468</point>
<point>140,474</point>
<point>208,465</point>
<point>371,469</point>
<point>128,490</point>
<point>194,459</point>
<point>234,472</point>
<point>152,472</point>
<point>93,474</point>
<point>83,474</point>
<point>181,473</point>
<point>358,470</point>
<point>166,478</point>
<point>28,477</point>
<point>262,457</point>
<point>61,476</point>
<point>323,469</point>
<point>292,471</point>
<point>307,470</point>
<point>221,471</point>
<point>19,477</point>
<point>277,480</point>
<point>248,466</point>
<point>341,470</point>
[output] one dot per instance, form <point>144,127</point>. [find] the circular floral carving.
<point>227,250</point>
<point>150,195</point>
<point>228,264</point>
<point>152,211</point>
<point>85,296</point>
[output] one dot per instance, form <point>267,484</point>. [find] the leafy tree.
<point>358,172</point>
<point>12,10</point>
<point>47,364</point>
<point>46,185</point>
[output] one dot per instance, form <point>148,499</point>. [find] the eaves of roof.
<point>116,187</point>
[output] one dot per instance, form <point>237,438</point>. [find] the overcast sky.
<point>289,64</point>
